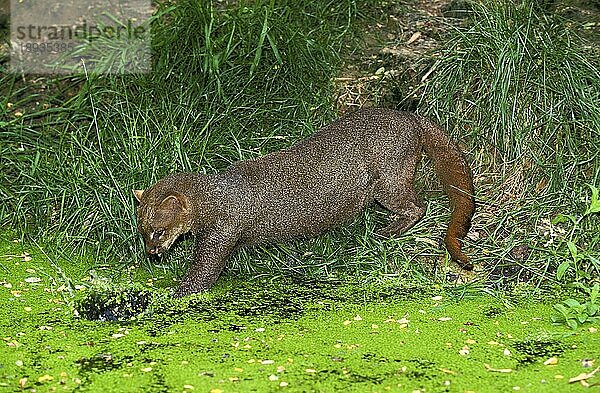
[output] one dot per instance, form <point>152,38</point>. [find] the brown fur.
<point>317,184</point>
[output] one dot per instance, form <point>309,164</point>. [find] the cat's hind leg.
<point>406,207</point>
<point>394,191</point>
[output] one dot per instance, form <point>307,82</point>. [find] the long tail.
<point>457,179</point>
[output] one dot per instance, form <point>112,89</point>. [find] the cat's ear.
<point>174,203</point>
<point>138,194</point>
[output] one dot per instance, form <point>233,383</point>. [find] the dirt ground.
<point>398,50</point>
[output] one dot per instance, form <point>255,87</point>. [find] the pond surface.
<point>62,332</point>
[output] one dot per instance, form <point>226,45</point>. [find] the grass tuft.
<point>523,89</point>
<point>229,82</point>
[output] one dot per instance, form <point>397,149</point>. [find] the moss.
<point>532,350</point>
<point>113,304</point>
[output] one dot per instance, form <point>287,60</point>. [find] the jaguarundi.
<point>320,182</point>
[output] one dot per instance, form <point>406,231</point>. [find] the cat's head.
<point>161,218</point>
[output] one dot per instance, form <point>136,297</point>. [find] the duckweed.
<point>62,332</point>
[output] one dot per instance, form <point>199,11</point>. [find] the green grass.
<point>229,83</point>
<point>235,81</point>
<point>526,90</point>
<point>271,335</point>
<point>522,89</point>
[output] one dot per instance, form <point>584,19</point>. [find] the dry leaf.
<point>45,378</point>
<point>414,37</point>
<point>447,371</point>
<point>497,370</point>
<point>588,363</point>
<point>424,78</point>
<point>583,376</point>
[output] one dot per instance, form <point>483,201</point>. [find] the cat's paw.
<point>181,292</point>
<point>187,289</point>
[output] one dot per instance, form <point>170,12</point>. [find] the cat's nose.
<point>153,250</point>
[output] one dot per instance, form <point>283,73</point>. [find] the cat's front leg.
<point>210,255</point>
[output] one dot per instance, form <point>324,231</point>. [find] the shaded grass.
<point>523,90</point>
<point>526,90</point>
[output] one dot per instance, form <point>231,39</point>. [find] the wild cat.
<point>317,184</point>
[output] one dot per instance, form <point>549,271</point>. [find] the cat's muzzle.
<point>155,250</point>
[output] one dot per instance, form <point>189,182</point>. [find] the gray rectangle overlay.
<point>80,36</point>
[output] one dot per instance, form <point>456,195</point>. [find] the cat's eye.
<point>157,234</point>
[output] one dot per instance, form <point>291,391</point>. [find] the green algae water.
<point>63,330</point>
